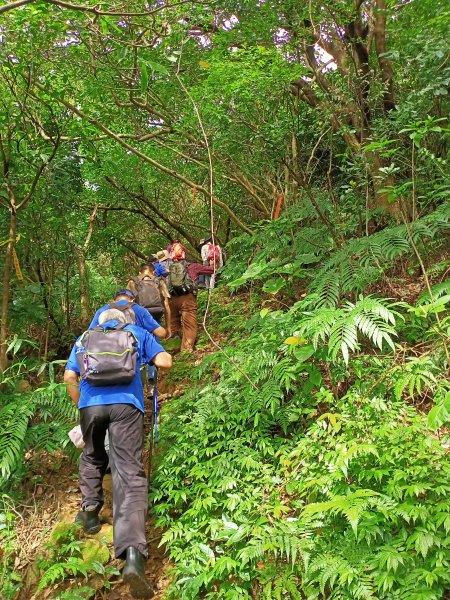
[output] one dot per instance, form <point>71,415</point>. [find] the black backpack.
<point>148,294</point>
<point>107,355</point>
<point>178,281</point>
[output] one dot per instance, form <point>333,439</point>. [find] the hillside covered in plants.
<point>304,444</point>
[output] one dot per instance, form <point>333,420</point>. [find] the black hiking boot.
<point>89,521</point>
<point>133,574</point>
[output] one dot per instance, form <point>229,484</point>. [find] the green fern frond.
<point>369,316</point>
<point>416,374</point>
<point>363,261</point>
<point>328,289</point>
<point>438,290</point>
<point>351,506</point>
<point>14,418</point>
<point>318,325</point>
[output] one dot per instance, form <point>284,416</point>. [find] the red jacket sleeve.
<point>196,269</point>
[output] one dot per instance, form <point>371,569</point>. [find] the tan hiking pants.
<point>184,319</point>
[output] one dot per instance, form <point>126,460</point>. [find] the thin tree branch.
<point>91,228</point>
<point>387,76</point>
<point>129,247</point>
<point>139,211</point>
<point>142,197</point>
<point>316,205</point>
<point>151,161</point>
<point>93,9</point>
<point>37,176</point>
<point>308,164</point>
<point>13,5</point>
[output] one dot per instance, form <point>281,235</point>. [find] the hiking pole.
<point>153,433</point>
<point>150,449</point>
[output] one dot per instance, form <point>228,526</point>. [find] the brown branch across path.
<point>152,206</point>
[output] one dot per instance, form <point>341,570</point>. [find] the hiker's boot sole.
<point>139,586</point>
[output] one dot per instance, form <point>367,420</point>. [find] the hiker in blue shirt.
<point>163,263</point>
<point>124,301</point>
<point>161,270</point>
<point>119,410</point>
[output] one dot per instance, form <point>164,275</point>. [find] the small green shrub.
<point>69,555</point>
<point>10,580</point>
<point>299,466</point>
<point>39,419</point>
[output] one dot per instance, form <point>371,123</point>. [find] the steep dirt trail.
<point>58,502</point>
<point>53,499</point>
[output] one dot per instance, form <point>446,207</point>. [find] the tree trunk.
<point>6,289</point>
<point>84,288</point>
<point>381,183</point>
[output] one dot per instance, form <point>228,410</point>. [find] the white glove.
<point>77,437</point>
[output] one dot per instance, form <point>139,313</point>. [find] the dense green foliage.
<point>68,555</point>
<point>302,471</point>
<point>309,458</point>
<point>37,419</point>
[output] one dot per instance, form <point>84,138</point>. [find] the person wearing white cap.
<point>211,255</point>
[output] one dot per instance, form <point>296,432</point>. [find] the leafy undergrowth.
<point>303,460</point>
<point>304,455</point>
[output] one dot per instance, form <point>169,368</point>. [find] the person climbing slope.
<point>103,380</point>
<point>182,285</point>
<point>183,298</point>
<point>176,250</point>
<point>163,262</point>
<point>124,300</point>
<point>211,255</point>
<point>151,292</point>
<point>159,266</point>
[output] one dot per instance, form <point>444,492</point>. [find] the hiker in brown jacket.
<point>152,293</point>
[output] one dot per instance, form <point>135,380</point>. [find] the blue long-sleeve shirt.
<point>129,393</point>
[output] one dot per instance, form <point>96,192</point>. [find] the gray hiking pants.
<point>125,425</point>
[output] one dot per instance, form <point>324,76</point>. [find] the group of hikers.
<point>167,286</point>
<point>103,379</point>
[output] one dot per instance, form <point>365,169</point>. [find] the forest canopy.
<point>311,139</point>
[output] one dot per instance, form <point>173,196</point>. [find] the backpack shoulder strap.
<point>121,307</point>
<point>83,335</point>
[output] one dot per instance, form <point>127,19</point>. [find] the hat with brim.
<point>162,255</point>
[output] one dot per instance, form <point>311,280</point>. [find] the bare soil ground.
<point>56,500</point>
